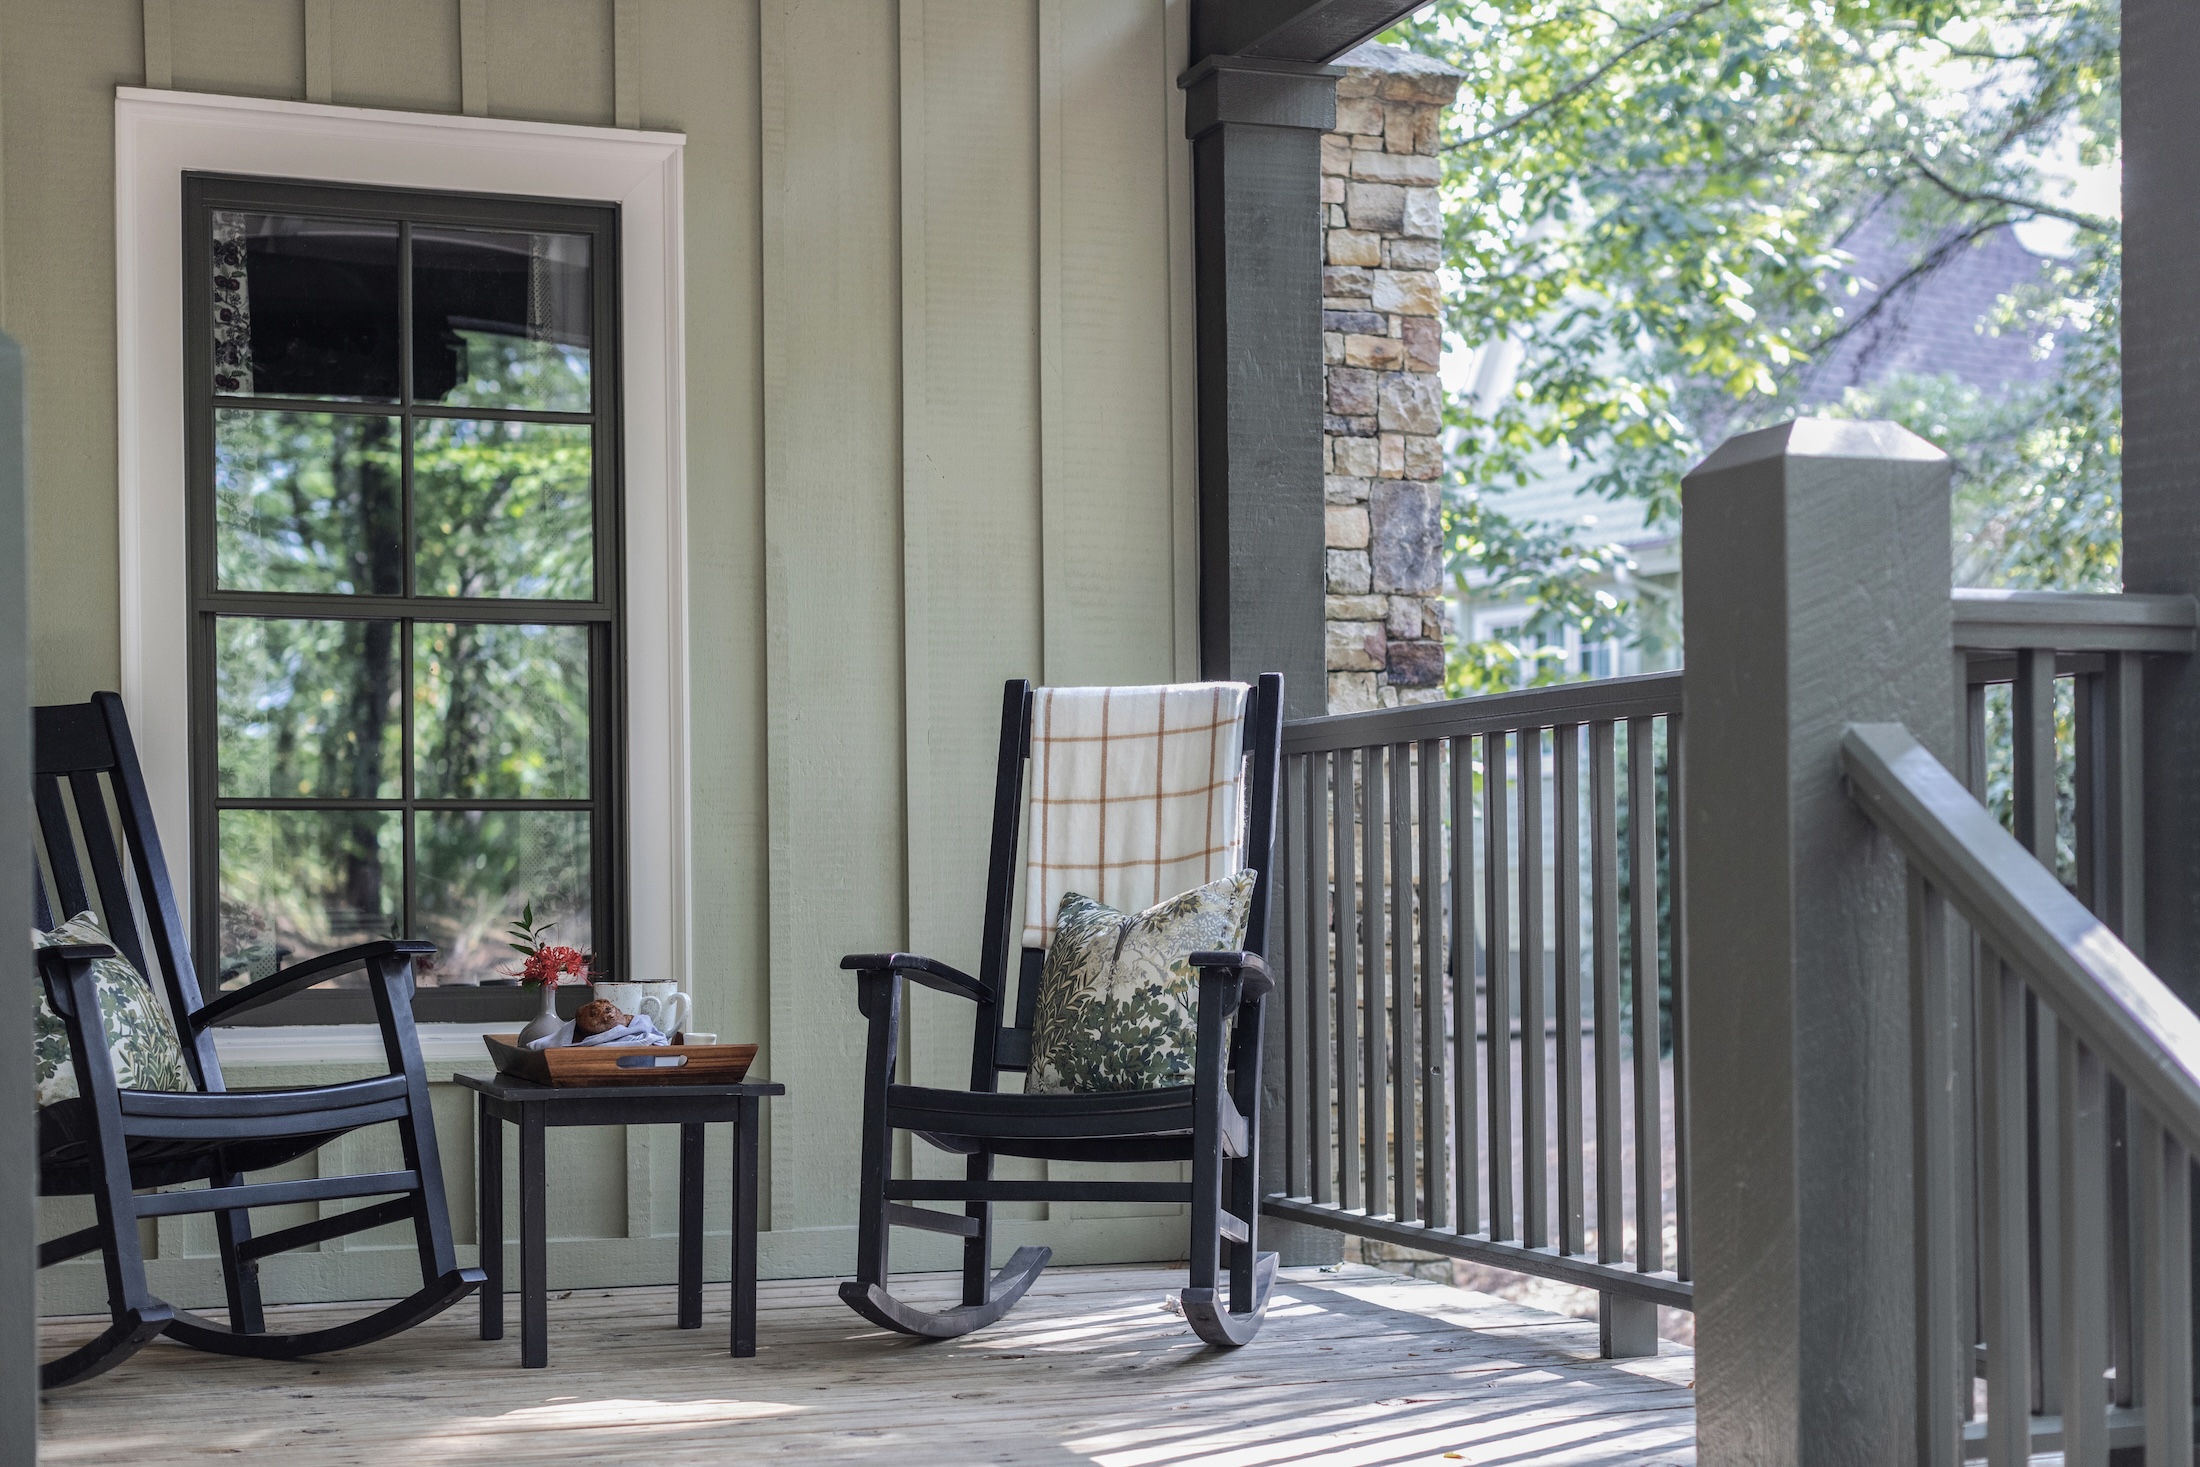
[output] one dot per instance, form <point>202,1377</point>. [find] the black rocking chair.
<point>110,1142</point>
<point>1213,1122</point>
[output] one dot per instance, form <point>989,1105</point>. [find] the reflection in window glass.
<point>308,502</point>
<point>298,883</point>
<point>478,868</point>
<point>307,708</point>
<point>501,319</point>
<point>504,509</point>
<point>500,712</point>
<point>304,307</point>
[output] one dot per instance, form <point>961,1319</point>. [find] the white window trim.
<point>159,135</point>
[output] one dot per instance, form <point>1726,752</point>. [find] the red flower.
<point>552,965</point>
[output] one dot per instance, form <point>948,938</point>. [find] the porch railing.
<point>1485,1013</point>
<point>2056,1113</point>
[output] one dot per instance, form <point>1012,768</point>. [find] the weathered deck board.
<point>1356,1368</point>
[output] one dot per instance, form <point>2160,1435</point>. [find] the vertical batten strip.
<point>1534,1141</point>
<point>2005,1268</point>
<point>1404,1096</point>
<point>2081,1272</point>
<point>626,62</point>
<point>1642,878</point>
<point>473,57</point>
<point>1374,1026</point>
<point>159,20</point>
<point>1676,938</point>
<point>1497,980</point>
<point>1435,1183</point>
<point>1466,1127</point>
<point>2165,1245</point>
<point>320,52</point>
<point>1604,979</point>
<point>1566,915</point>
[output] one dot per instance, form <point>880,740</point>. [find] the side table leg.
<point>489,1192</point>
<point>691,1226</point>
<point>744,1228</point>
<point>534,1244</point>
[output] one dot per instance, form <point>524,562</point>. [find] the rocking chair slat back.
<point>1011,1048</point>
<point>88,745</point>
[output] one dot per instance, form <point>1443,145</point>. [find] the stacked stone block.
<point>1382,345</point>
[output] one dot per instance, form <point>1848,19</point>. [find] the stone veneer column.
<point>1382,343</point>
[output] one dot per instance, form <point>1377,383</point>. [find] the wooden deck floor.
<point>1355,1368</point>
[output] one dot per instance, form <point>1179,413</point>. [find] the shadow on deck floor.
<point>1356,1368</point>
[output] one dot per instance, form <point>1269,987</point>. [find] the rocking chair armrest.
<point>930,972</point>
<point>1257,981</point>
<point>66,969</point>
<point>283,981</point>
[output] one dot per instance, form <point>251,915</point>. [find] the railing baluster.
<point>1676,937</point>
<point>1404,1026</point>
<point>1604,980</point>
<point>1345,802</point>
<point>1943,1344</point>
<point>1566,915</point>
<point>1317,912</point>
<point>1642,829</point>
<point>2165,1246</point>
<point>1290,896</point>
<point>1374,1005</point>
<point>2006,1264</point>
<point>1435,1185</point>
<point>1466,1121</point>
<point>1534,976</point>
<point>1497,981</point>
<point>2123,797</point>
<point>2082,1262</point>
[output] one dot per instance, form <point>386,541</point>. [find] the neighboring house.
<point>1942,324</point>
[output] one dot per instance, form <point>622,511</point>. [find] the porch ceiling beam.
<point>1290,30</point>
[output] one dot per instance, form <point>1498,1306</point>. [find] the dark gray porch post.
<point>1815,569</point>
<point>1256,131</point>
<point>18,1151</point>
<point>2162,450</point>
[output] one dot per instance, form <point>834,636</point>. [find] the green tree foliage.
<point>1652,197</point>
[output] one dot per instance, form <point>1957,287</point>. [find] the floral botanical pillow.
<point>1118,998</point>
<point>140,1040</point>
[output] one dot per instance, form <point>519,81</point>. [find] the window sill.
<point>440,1044</point>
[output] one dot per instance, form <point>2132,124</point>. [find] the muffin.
<point>598,1016</point>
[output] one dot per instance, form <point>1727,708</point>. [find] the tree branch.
<point>1574,89</point>
<point>2088,222</point>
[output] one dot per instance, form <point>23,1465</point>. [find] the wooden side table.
<point>534,1109</point>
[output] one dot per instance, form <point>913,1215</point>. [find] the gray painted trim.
<point>1815,567</point>
<point>1645,696</point>
<point>2012,621</point>
<point>1291,30</point>
<point>2098,987</point>
<point>1256,132</point>
<point>18,1123</point>
<point>2161,321</point>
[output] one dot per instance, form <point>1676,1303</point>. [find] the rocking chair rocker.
<point>1213,1122</point>
<point>108,1142</point>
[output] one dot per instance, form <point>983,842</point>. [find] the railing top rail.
<point>2074,621</point>
<point>1589,702</point>
<point>2096,985</point>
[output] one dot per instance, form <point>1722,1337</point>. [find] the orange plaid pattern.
<point>1136,795</point>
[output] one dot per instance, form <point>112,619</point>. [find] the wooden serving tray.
<point>620,1064</point>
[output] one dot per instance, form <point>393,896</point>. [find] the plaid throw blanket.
<point>1134,795</point>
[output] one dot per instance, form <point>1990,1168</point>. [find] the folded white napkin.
<point>637,1031</point>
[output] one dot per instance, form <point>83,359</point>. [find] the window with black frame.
<point>404,526</point>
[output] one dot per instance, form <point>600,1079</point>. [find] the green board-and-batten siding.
<point>939,434</point>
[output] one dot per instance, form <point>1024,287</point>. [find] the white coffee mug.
<point>663,1004</point>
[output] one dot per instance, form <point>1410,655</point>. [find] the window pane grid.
<point>506,700</point>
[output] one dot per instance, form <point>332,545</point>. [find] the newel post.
<point>1815,569</point>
